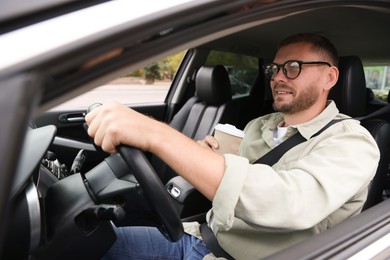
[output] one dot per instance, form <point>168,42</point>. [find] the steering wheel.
<point>153,189</point>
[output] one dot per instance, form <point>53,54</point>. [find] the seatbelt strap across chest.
<point>275,154</point>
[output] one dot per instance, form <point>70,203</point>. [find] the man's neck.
<point>303,116</point>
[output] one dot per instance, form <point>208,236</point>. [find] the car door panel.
<point>71,135</point>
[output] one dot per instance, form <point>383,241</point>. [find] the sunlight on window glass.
<point>146,85</point>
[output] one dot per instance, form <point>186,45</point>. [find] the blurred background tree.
<point>164,69</point>
<point>152,72</point>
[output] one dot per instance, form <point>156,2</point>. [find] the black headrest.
<point>350,92</point>
<point>370,94</point>
<point>388,97</point>
<point>213,85</point>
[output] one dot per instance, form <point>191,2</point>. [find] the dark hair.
<point>320,44</point>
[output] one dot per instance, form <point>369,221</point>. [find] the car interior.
<point>219,81</point>
<point>351,79</point>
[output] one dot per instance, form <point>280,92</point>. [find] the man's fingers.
<point>211,141</point>
<point>208,142</point>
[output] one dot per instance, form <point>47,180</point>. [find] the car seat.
<point>350,95</point>
<point>212,104</point>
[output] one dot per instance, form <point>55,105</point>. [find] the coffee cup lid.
<point>230,129</point>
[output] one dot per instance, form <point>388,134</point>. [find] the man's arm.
<point>113,124</point>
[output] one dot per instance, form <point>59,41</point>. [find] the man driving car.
<point>257,209</point>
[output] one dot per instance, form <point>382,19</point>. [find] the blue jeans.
<point>149,243</point>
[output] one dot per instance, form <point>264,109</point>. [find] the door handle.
<point>72,117</point>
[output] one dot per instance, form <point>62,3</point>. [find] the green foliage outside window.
<point>164,69</point>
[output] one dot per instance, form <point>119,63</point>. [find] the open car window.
<point>154,79</point>
<point>378,80</point>
<point>242,70</point>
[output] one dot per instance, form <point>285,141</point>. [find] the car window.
<point>242,70</point>
<point>378,80</point>
<point>145,85</point>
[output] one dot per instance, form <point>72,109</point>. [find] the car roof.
<point>355,29</point>
<point>13,9</point>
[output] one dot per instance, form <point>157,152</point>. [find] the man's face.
<point>299,94</point>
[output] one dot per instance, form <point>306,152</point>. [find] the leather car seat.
<point>212,104</point>
<point>349,93</point>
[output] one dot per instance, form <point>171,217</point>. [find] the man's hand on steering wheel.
<point>108,125</point>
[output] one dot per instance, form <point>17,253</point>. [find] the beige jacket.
<point>259,210</point>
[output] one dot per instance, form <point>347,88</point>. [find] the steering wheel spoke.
<point>154,192</point>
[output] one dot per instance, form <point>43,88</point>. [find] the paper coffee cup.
<point>228,137</point>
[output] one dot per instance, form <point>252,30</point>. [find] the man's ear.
<point>332,77</point>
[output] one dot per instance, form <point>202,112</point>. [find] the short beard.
<point>303,101</point>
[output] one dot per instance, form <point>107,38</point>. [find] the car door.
<point>148,94</point>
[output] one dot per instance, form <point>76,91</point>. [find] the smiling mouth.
<point>283,92</point>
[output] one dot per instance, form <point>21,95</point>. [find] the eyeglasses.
<point>291,68</point>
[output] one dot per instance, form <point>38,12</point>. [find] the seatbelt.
<point>212,243</point>
<point>379,112</point>
<point>275,154</point>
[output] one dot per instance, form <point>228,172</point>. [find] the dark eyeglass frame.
<point>284,70</point>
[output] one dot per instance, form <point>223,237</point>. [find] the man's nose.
<point>279,76</point>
